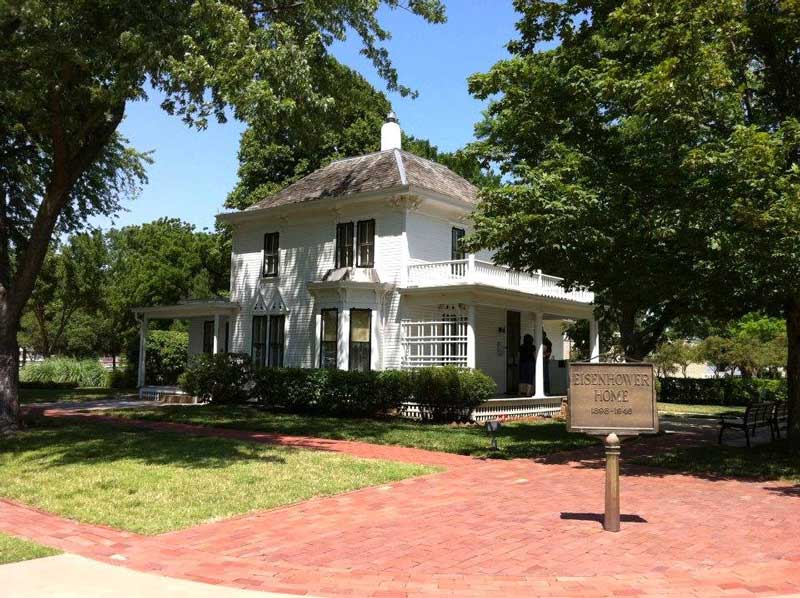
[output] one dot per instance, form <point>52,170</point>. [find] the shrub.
<point>326,392</point>
<point>121,377</point>
<point>219,378</point>
<point>449,393</point>
<point>720,391</point>
<point>58,371</point>
<point>443,394</point>
<point>166,355</point>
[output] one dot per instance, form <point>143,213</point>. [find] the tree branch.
<point>67,169</point>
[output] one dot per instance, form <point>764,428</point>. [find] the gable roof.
<point>373,172</point>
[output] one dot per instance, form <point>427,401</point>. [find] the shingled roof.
<point>373,172</point>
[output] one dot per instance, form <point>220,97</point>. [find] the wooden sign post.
<point>612,400</point>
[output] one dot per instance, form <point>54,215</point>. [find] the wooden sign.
<point>612,398</point>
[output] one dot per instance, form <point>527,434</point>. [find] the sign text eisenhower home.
<point>607,398</point>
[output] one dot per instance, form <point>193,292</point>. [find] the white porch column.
<point>215,348</point>
<point>343,340</point>
<point>470,267</point>
<point>317,338</point>
<point>538,338</point>
<point>376,340</point>
<point>594,340</point>
<point>142,350</point>
<point>471,349</point>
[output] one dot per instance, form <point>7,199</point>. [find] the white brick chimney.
<point>391,134</point>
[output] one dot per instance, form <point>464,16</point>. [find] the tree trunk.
<point>9,379</point>
<point>793,370</point>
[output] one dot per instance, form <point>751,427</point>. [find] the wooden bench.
<point>757,415</point>
<point>780,418</point>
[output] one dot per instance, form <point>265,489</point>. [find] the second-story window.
<point>344,244</point>
<point>456,247</point>
<point>366,243</point>
<point>271,242</point>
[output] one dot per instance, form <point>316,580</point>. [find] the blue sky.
<point>194,171</point>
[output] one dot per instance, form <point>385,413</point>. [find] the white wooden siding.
<point>429,238</point>
<point>306,254</point>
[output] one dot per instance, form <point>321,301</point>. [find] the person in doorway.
<point>527,362</point>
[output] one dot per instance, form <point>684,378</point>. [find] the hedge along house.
<point>359,266</point>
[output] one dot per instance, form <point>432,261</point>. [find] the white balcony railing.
<point>472,271</point>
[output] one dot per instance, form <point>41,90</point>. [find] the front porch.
<point>472,314</point>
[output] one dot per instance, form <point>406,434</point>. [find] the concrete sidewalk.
<point>72,576</point>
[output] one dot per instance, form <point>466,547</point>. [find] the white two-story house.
<point>359,266</point>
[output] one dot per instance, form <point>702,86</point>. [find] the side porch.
<point>209,325</point>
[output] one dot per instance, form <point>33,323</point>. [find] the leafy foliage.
<point>754,345</point>
<point>443,394</point>
<point>66,370</point>
<point>720,391</point>
<point>70,68</point>
<point>672,356</point>
<point>219,378</point>
<point>67,288</point>
<point>166,355</point>
<point>273,155</point>
<point>653,156</point>
<point>449,393</point>
<point>328,392</point>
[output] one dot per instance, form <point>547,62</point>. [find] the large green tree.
<point>654,155</point>
<point>275,154</point>
<point>68,69</point>
<point>71,281</point>
<point>158,263</point>
<point>590,180</point>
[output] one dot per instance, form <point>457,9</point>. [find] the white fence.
<point>435,342</point>
<point>472,271</point>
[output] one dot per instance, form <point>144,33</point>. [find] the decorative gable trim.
<point>270,303</point>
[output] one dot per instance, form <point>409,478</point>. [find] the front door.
<point>512,352</point>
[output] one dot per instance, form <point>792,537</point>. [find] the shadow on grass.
<point>664,456</point>
<point>516,440</point>
<point>64,442</point>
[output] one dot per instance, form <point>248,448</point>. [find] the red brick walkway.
<point>513,528</point>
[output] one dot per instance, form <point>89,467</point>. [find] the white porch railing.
<point>435,342</point>
<point>472,271</point>
<point>502,408</point>
<point>511,408</point>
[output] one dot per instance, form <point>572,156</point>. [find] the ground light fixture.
<point>493,427</point>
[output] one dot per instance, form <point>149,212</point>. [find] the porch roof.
<point>189,309</point>
<point>483,294</point>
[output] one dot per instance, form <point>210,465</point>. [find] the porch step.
<point>176,399</point>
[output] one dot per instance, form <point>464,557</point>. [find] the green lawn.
<point>521,439</point>
<point>769,461</point>
<point>712,411</point>
<point>13,550</point>
<point>78,395</point>
<point>151,482</point>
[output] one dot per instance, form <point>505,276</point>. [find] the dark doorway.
<point>512,352</point>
